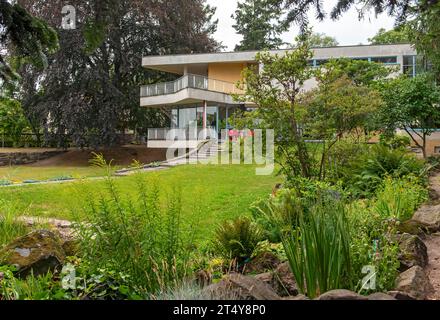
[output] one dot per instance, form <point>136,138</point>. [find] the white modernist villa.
<point>201,97</point>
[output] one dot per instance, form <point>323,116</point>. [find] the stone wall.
<point>20,158</point>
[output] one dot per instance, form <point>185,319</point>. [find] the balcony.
<point>189,81</point>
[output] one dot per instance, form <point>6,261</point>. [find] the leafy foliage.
<point>276,91</point>
<point>425,33</point>
<point>12,120</point>
<point>396,35</point>
<point>237,240</point>
<point>90,91</point>
<point>258,21</point>
<point>318,250</point>
<point>26,36</point>
<point>137,237</point>
<point>400,198</point>
<point>366,172</point>
<point>321,40</point>
<point>412,104</point>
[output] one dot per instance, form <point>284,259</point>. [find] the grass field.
<point>210,194</point>
<point>22,173</point>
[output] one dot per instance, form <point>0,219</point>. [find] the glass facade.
<point>191,116</point>
<point>414,65</point>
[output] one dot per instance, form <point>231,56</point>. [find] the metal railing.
<point>176,134</point>
<point>189,81</point>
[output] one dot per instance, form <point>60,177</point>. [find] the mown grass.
<point>210,194</point>
<point>22,173</point>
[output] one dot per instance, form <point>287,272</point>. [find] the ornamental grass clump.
<point>318,249</point>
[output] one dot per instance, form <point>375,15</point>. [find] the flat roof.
<point>176,63</point>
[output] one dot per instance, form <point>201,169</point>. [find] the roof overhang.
<point>177,63</point>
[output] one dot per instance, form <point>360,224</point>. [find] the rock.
<point>399,295</point>
<point>380,296</point>
<point>433,194</point>
<point>429,217</point>
<point>296,298</point>
<point>70,247</point>
<point>341,294</point>
<point>413,252</point>
<point>271,280</point>
<point>414,282</point>
<point>38,252</point>
<point>286,284</point>
<point>239,287</point>
<point>262,263</point>
<point>411,227</point>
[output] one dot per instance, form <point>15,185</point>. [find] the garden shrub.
<point>236,240</point>
<point>368,172</point>
<point>280,212</point>
<point>372,244</point>
<point>400,198</point>
<point>136,236</point>
<point>277,214</point>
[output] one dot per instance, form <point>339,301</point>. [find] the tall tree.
<point>276,90</point>
<point>411,104</point>
<point>321,40</point>
<point>90,91</point>
<point>399,34</point>
<point>259,22</point>
<point>24,36</point>
<point>299,9</point>
<point>425,34</point>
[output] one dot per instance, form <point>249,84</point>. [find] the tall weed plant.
<point>137,236</point>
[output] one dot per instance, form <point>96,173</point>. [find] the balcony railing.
<point>189,81</point>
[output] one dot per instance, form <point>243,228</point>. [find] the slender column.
<point>227,116</point>
<point>205,114</point>
<point>185,70</point>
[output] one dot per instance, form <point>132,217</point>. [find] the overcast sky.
<point>348,30</point>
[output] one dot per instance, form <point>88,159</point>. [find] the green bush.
<point>237,239</point>
<point>372,244</point>
<point>318,250</point>
<point>400,198</point>
<point>278,214</point>
<point>138,237</point>
<point>368,172</point>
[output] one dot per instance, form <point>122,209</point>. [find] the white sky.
<point>348,30</point>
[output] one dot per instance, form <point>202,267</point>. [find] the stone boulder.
<point>380,296</point>
<point>36,253</point>
<point>415,283</point>
<point>286,281</point>
<point>428,217</point>
<point>263,262</point>
<point>413,252</point>
<point>240,287</point>
<point>399,295</point>
<point>411,227</point>
<point>341,294</point>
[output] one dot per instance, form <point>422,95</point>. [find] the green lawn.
<point>210,194</point>
<point>22,173</point>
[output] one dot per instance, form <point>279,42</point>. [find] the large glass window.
<point>385,60</point>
